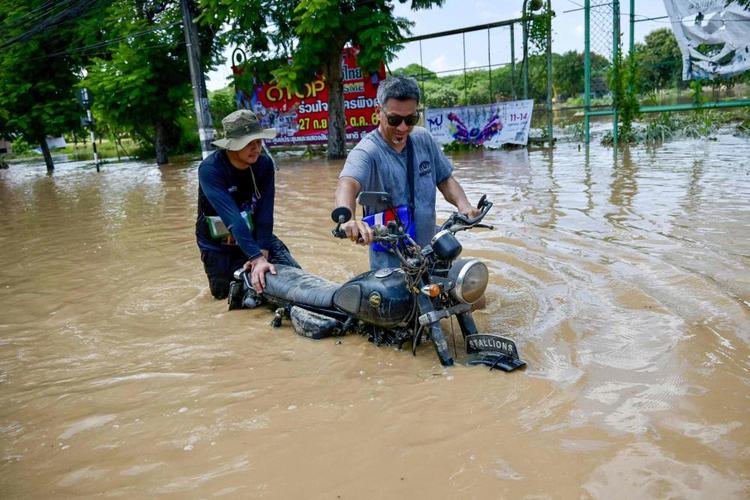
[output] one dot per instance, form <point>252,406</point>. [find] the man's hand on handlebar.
<point>469,211</point>
<point>358,231</point>
<point>468,217</point>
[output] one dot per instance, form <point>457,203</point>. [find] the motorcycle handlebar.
<point>459,222</point>
<point>380,233</point>
<point>456,222</point>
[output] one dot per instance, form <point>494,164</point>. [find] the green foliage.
<point>257,70</point>
<point>628,105</point>
<point>141,85</point>
<point>660,128</point>
<point>222,103</point>
<point>416,71</point>
<point>693,124</point>
<point>440,96</point>
<point>699,124</point>
<point>105,149</point>
<point>574,129</point>
<point>660,61</point>
<point>310,31</point>
<point>38,73</point>
<point>20,146</point>
<point>696,86</point>
<point>623,80</point>
<point>623,137</point>
<point>569,70</point>
<point>323,27</point>
<point>539,24</point>
<point>458,146</point>
<point>483,86</point>
<point>132,53</point>
<point>313,33</point>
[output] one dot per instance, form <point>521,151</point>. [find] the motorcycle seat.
<point>300,287</point>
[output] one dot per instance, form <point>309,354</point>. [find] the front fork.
<point>466,322</point>
<point>436,332</point>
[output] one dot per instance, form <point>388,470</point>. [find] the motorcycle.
<point>391,306</point>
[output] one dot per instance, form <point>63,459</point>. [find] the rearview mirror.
<point>376,201</point>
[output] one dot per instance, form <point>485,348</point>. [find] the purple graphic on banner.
<point>475,135</point>
<point>488,125</point>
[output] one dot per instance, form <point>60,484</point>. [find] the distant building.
<point>5,147</point>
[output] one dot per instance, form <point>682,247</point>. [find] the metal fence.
<point>603,37</point>
<point>512,32</point>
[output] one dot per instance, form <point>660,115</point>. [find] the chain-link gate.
<point>602,38</point>
<point>512,30</point>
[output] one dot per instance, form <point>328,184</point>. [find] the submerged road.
<point>624,281</point>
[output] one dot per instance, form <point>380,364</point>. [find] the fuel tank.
<point>378,297</point>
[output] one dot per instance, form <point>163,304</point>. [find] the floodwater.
<point>625,282</point>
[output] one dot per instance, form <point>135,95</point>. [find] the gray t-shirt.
<point>378,167</point>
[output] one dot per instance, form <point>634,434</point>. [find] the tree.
<point>568,72</point>
<point>133,56</point>
<point>415,71</point>
<point>141,82</point>
<point>314,33</point>
<point>38,69</point>
<point>439,95</point>
<point>222,103</point>
<point>660,59</point>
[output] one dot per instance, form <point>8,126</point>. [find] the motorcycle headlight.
<point>471,277</point>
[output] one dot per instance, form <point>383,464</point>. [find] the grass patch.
<point>105,149</point>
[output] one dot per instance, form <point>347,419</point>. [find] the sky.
<point>446,54</point>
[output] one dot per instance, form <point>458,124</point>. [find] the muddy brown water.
<point>624,281</point>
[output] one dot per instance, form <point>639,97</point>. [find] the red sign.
<point>302,117</point>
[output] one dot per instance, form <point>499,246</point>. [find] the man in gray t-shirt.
<point>380,163</point>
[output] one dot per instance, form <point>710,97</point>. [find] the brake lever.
<point>460,218</point>
<point>454,228</point>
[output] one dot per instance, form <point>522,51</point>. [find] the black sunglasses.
<point>395,120</point>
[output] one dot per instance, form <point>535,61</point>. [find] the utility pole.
<point>200,95</point>
<point>85,99</point>
<point>93,138</point>
<point>549,73</point>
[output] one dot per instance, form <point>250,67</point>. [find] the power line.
<point>72,12</point>
<point>35,13</point>
<point>105,43</point>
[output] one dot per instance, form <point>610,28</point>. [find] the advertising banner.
<point>302,118</point>
<point>489,125</point>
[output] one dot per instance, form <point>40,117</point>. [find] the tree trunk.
<point>115,142</point>
<point>336,118</point>
<point>47,156</point>
<point>160,145</point>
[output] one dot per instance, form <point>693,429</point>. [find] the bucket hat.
<point>240,128</point>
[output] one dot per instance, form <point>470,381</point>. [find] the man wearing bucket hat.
<point>236,191</point>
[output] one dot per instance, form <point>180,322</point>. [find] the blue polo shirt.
<point>378,167</point>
